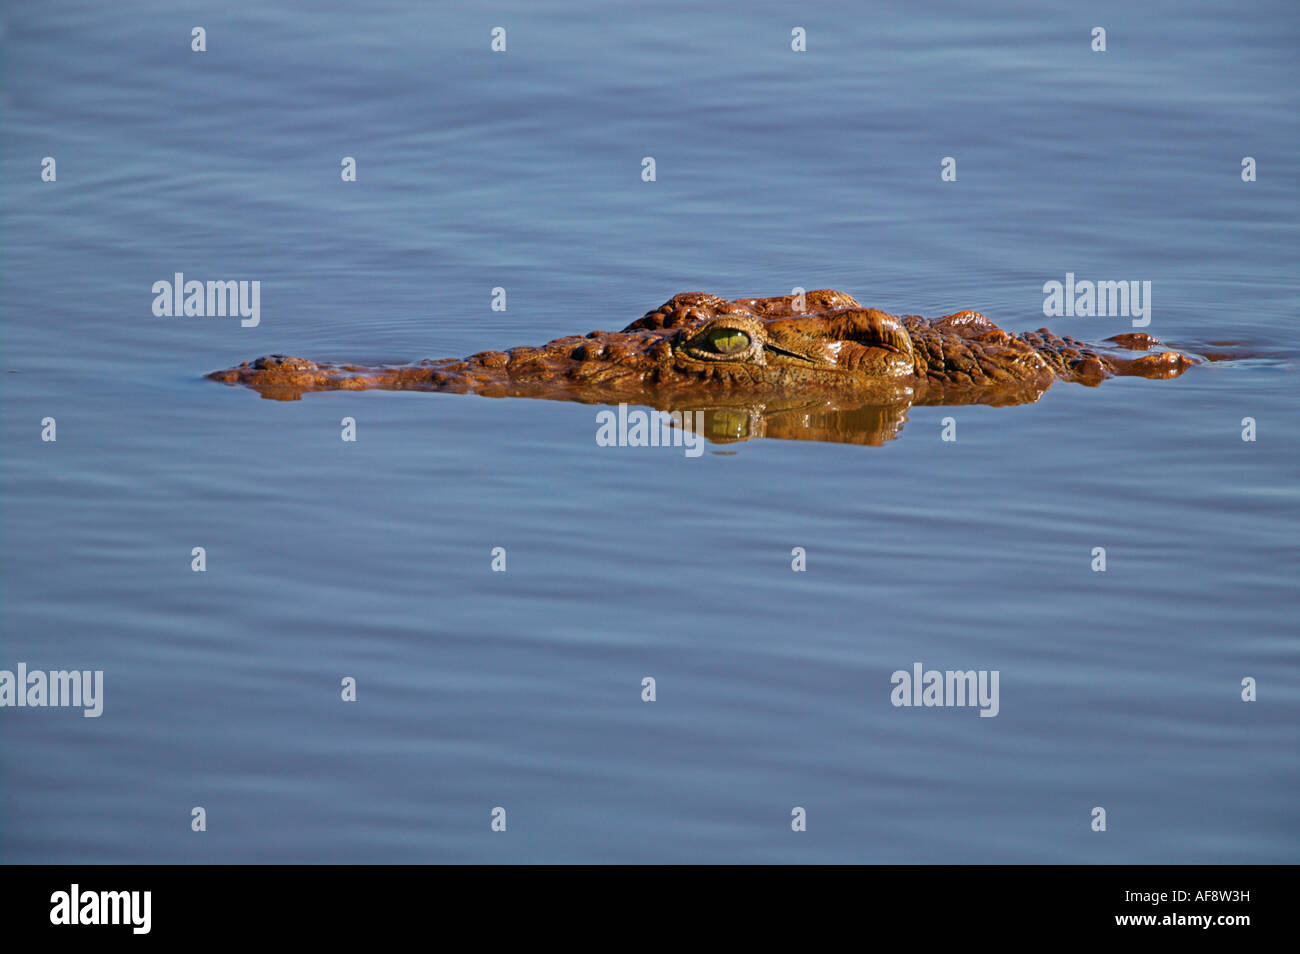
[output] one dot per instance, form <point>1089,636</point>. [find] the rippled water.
<point>522,689</point>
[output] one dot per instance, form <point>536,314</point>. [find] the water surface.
<point>522,689</point>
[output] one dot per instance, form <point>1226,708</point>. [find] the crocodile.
<point>798,366</point>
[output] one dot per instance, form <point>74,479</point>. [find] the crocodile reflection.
<point>870,420</point>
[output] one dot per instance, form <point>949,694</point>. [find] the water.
<point>371,559</point>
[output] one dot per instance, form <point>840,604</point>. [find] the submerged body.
<point>764,355</point>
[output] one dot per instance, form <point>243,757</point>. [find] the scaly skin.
<point>756,356</point>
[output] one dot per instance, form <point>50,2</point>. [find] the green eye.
<point>727,340</point>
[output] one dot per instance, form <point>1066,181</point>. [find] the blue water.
<point>372,560</point>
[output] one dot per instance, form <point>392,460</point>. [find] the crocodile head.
<point>822,340</point>
<point>696,343</point>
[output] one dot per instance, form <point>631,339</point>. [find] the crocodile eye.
<point>727,340</point>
